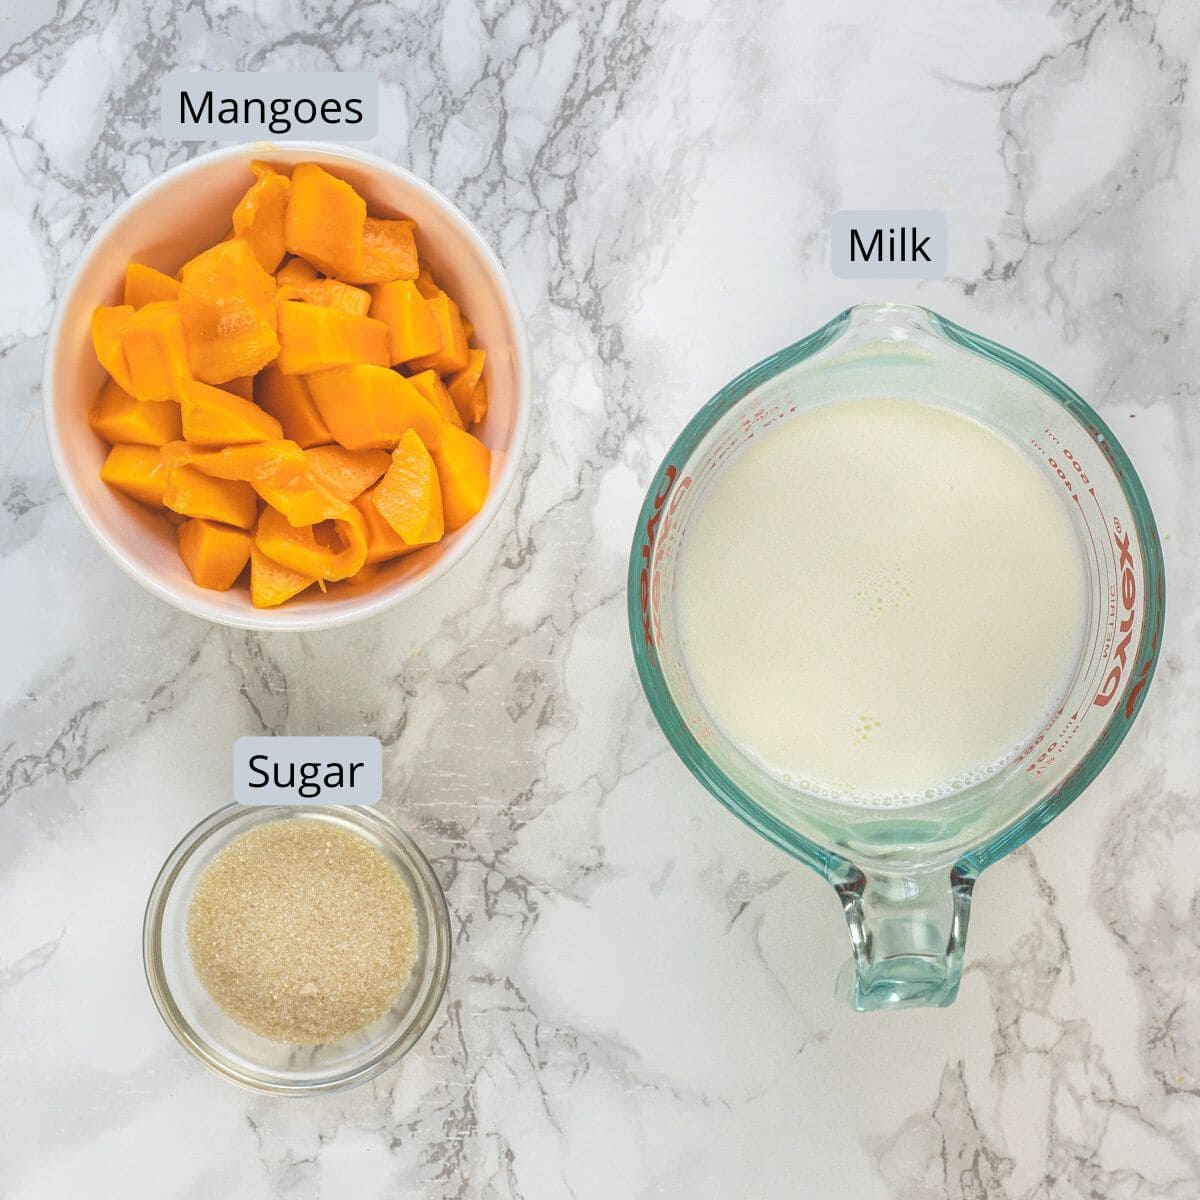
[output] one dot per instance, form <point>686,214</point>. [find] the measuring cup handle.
<point>907,934</point>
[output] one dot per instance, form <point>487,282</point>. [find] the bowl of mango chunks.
<point>286,386</point>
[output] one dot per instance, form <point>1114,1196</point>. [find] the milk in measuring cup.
<point>881,600</point>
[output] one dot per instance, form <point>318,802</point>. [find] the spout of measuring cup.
<point>907,933</point>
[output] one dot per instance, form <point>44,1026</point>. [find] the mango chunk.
<point>425,283</point>
<point>144,285</point>
<point>462,388</point>
<point>108,326</point>
<point>329,293</point>
<point>370,407</point>
<point>272,584</point>
<point>330,550</point>
<point>286,398</point>
<point>314,338</point>
<point>464,467</point>
<point>214,554</point>
<point>453,354</point>
<point>296,270</point>
<point>325,220</point>
<point>192,493</point>
<point>383,542</point>
<point>409,497</point>
<point>259,215</point>
<point>227,302</point>
<point>278,471</point>
<point>346,473</point>
<point>116,416</point>
<point>412,328</point>
<point>156,351</point>
<point>212,417</point>
<point>138,471</point>
<point>389,251</point>
<point>430,385</point>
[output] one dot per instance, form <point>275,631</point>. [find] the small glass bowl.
<point>234,1051</point>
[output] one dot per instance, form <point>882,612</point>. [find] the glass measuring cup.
<point>905,875</point>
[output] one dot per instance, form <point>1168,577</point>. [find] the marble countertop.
<point>641,1001</point>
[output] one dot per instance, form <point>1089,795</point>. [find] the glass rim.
<point>428,897</point>
<point>1009,838</point>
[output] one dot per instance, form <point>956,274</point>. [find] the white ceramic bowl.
<point>162,226</point>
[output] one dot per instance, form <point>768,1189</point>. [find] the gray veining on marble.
<point>641,999</point>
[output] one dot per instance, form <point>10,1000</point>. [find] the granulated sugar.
<point>302,931</point>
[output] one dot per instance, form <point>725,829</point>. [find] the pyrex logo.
<point>665,484</point>
<point>1112,681</point>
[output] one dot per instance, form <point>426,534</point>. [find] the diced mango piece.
<point>479,401</point>
<point>389,251</point>
<point>215,554</point>
<point>278,471</point>
<point>412,328</point>
<point>330,550</point>
<point>383,542</point>
<point>368,407</point>
<point>286,398</point>
<point>227,302</point>
<point>194,494</point>
<point>272,584</point>
<point>461,387</point>
<point>296,270</point>
<point>313,338</point>
<point>212,417</point>
<point>108,326</point>
<point>117,417</point>
<point>408,497</point>
<point>425,283</point>
<point>464,467</point>
<point>430,385</point>
<point>138,471</point>
<point>453,355</point>
<point>144,285</point>
<point>330,294</point>
<point>346,473</point>
<point>325,220</point>
<point>259,214</point>
<point>156,351</point>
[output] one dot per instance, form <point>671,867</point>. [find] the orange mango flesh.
<point>260,213</point>
<point>383,542</point>
<point>328,293</point>
<point>464,466</point>
<point>212,417</point>
<point>251,399</point>
<point>286,398</point>
<point>144,285</point>
<point>138,471</point>
<point>369,408</point>
<point>310,550</point>
<point>388,251</point>
<point>325,220</point>
<point>227,302</point>
<point>453,354</point>
<point>409,497</point>
<point>313,337</point>
<point>271,584</point>
<point>192,493</point>
<point>346,473</point>
<point>412,328</point>
<point>462,388</point>
<point>214,554</point>
<point>116,417</point>
<point>430,385</point>
<point>296,270</point>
